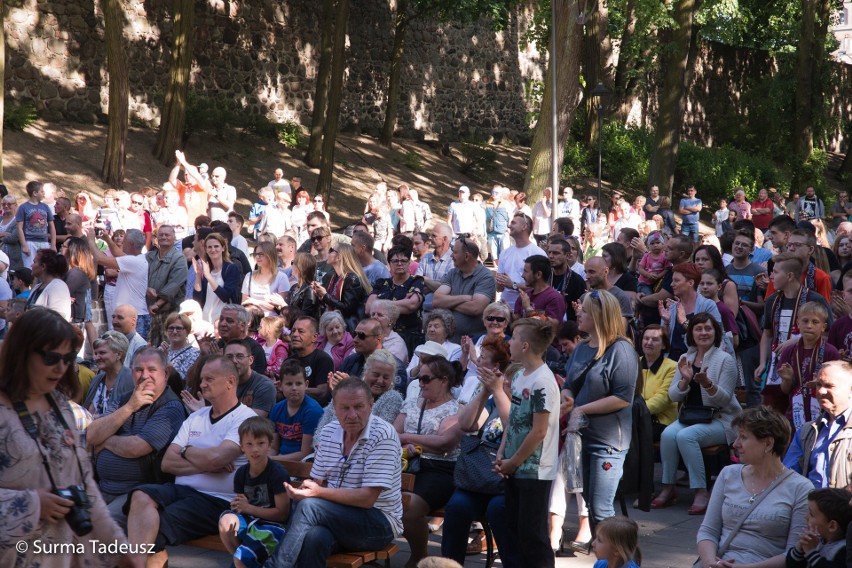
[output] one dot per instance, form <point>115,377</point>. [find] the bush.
<point>411,159</point>
<point>19,115</point>
<point>477,158</point>
<point>577,162</point>
<point>289,134</point>
<point>811,172</point>
<point>626,154</point>
<point>717,171</point>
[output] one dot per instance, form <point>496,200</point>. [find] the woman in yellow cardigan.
<point>657,374</point>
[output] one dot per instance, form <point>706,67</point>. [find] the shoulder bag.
<point>475,466</point>
<point>413,463</point>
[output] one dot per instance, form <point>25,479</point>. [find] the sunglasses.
<point>498,319</point>
<point>317,200</point>
<point>175,328</point>
<point>51,358</point>
<point>318,239</point>
<point>426,379</point>
<point>362,336</point>
<point>136,202</point>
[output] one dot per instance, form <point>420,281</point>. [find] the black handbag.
<point>475,466</point>
<point>690,415</point>
<point>413,463</point>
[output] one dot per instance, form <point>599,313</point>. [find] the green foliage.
<point>717,171</point>
<point>577,162</point>
<point>811,172</point>
<point>289,134</point>
<point>533,94</point>
<point>18,115</point>
<point>477,158</point>
<point>410,159</point>
<point>625,154</point>
<point>466,11</point>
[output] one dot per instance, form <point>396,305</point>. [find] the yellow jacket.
<point>655,389</point>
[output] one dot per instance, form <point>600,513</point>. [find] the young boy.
<point>22,282</point>
<point>236,222</point>
<point>296,417</point>
<point>265,196</point>
<point>527,457</point>
<point>721,216</point>
<point>254,526</point>
<point>653,264</point>
<point>823,543</point>
<point>840,334</point>
<point>35,224</point>
<point>800,362</point>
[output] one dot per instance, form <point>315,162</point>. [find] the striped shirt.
<point>374,461</point>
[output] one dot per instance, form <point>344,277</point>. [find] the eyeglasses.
<point>399,261</point>
<point>794,246</point>
<point>331,250</point>
<point>596,296</point>
<point>51,358</point>
<point>236,356</point>
<point>175,328</point>
<point>318,238</point>
<point>258,255</point>
<point>362,336</point>
<point>498,319</point>
<point>137,202</point>
<point>466,246</point>
<point>426,379</point>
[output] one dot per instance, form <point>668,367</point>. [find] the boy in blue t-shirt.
<point>35,224</point>
<point>296,417</point>
<point>254,525</point>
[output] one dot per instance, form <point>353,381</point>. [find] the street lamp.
<point>597,95</point>
<point>554,122</point>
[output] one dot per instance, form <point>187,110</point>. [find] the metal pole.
<point>554,161</point>
<point>600,147</point>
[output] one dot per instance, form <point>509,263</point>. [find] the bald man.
<point>221,197</point>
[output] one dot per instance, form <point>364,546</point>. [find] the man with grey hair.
<point>221,196</point>
<point>132,282</point>
<point>233,324</point>
<point>124,320</point>
<point>362,244</point>
<point>437,262</point>
<point>368,339</point>
<point>167,275</point>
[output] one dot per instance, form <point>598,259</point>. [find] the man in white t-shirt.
<point>132,282</point>
<point>510,267</point>
<point>221,198</point>
<point>279,183</point>
<point>462,217</point>
<point>202,457</point>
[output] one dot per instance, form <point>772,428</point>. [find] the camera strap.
<point>32,429</point>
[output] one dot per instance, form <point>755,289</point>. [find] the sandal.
<point>662,502</point>
<point>477,544</point>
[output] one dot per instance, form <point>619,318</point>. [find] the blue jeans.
<point>317,527</point>
<point>466,507</point>
<point>143,325</point>
<point>686,442</point>
<point>602,469</point>
<point>687,229</point>
<point>495,244</point>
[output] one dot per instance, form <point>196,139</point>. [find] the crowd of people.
<point>511,362</point>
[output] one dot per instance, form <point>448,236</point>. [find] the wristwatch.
<point>515,286</point>
<point>183,452</point>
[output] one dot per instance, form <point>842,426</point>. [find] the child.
<point>721,216</point>
<point>840,334</point>
<point>616,543</point>
<point>22,282</point>
<point>728,224</point>
<point>710,286</point>
<point>236,222</point>
<point>35,224</point>
<point>264,195</point>
<point>799,363</point>
<point>528,453</point>
<point>829,513</point>
<point>296,417</point>
<point>275,348</point>
<point>253,527</point>
<point>653,264</point>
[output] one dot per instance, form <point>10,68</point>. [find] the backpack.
<point>489,219</point>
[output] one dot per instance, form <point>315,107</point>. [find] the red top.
<point>761,221</point>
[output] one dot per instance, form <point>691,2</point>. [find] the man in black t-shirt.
<point>317,364</point>
<point>569,283</point>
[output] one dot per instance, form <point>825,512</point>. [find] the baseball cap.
<point>202,167</point>
<point>433,349</point>
<point>464,189</point>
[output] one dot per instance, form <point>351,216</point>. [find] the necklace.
<point>754,494</point>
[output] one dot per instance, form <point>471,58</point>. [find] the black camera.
<point>78,518</point>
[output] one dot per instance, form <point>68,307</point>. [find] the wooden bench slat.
<point>344,561</point>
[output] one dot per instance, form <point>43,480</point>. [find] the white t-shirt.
<point>463,217</point>
<point>256,290</point>
<point>199,432</point>
<point>512,263</point>
<point>541,222</point>
<point>280,185</point>
<point>215,209</point>
<point>6,294</point>
<point>132,282</point>
<point>241,243</point>
<point>212,304</point>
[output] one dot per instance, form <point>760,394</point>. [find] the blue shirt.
<point>605,564</point>
<point>691,218</point>
<point>819,460</point>
<point>290,429</point>
<point>760,255</point>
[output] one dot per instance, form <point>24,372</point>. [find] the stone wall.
<point>263,54</point>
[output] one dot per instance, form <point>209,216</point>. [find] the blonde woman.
<point>265,287</point>
<point>348,288</point>
<point>603,371</point>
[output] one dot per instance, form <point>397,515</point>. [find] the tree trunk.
<point>173,119</point>
<point>672,97</point>
<point>2,81</point>
<point>314,153</point>
<point>628,68</point>
<point>803,129</point>
<point>392,100</point>
<point>335,97</point>
<point>597,67</point>
<point>846,166</point>
<point>569,36</point>
<point>115,156</point>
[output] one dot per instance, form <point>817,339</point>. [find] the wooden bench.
<point>715,458</point>
<point>354,559</point>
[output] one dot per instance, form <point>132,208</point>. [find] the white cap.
<point>464,189</point>
<point>432,348</point>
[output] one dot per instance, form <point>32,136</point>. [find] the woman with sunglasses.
<point>348,288</point>
<point>430,422</point>
<point>319,205</point>
<point>85,208</point>
<point>217,280</point>
<point>180,352</point>
<point>49,269</point>
<point>303,299</point>
<point>114,382</point>
<point>407,293</point>
<point>38,380</point>
<point>9,233</point>
<point>266,287</point>
<point>496,318</point>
